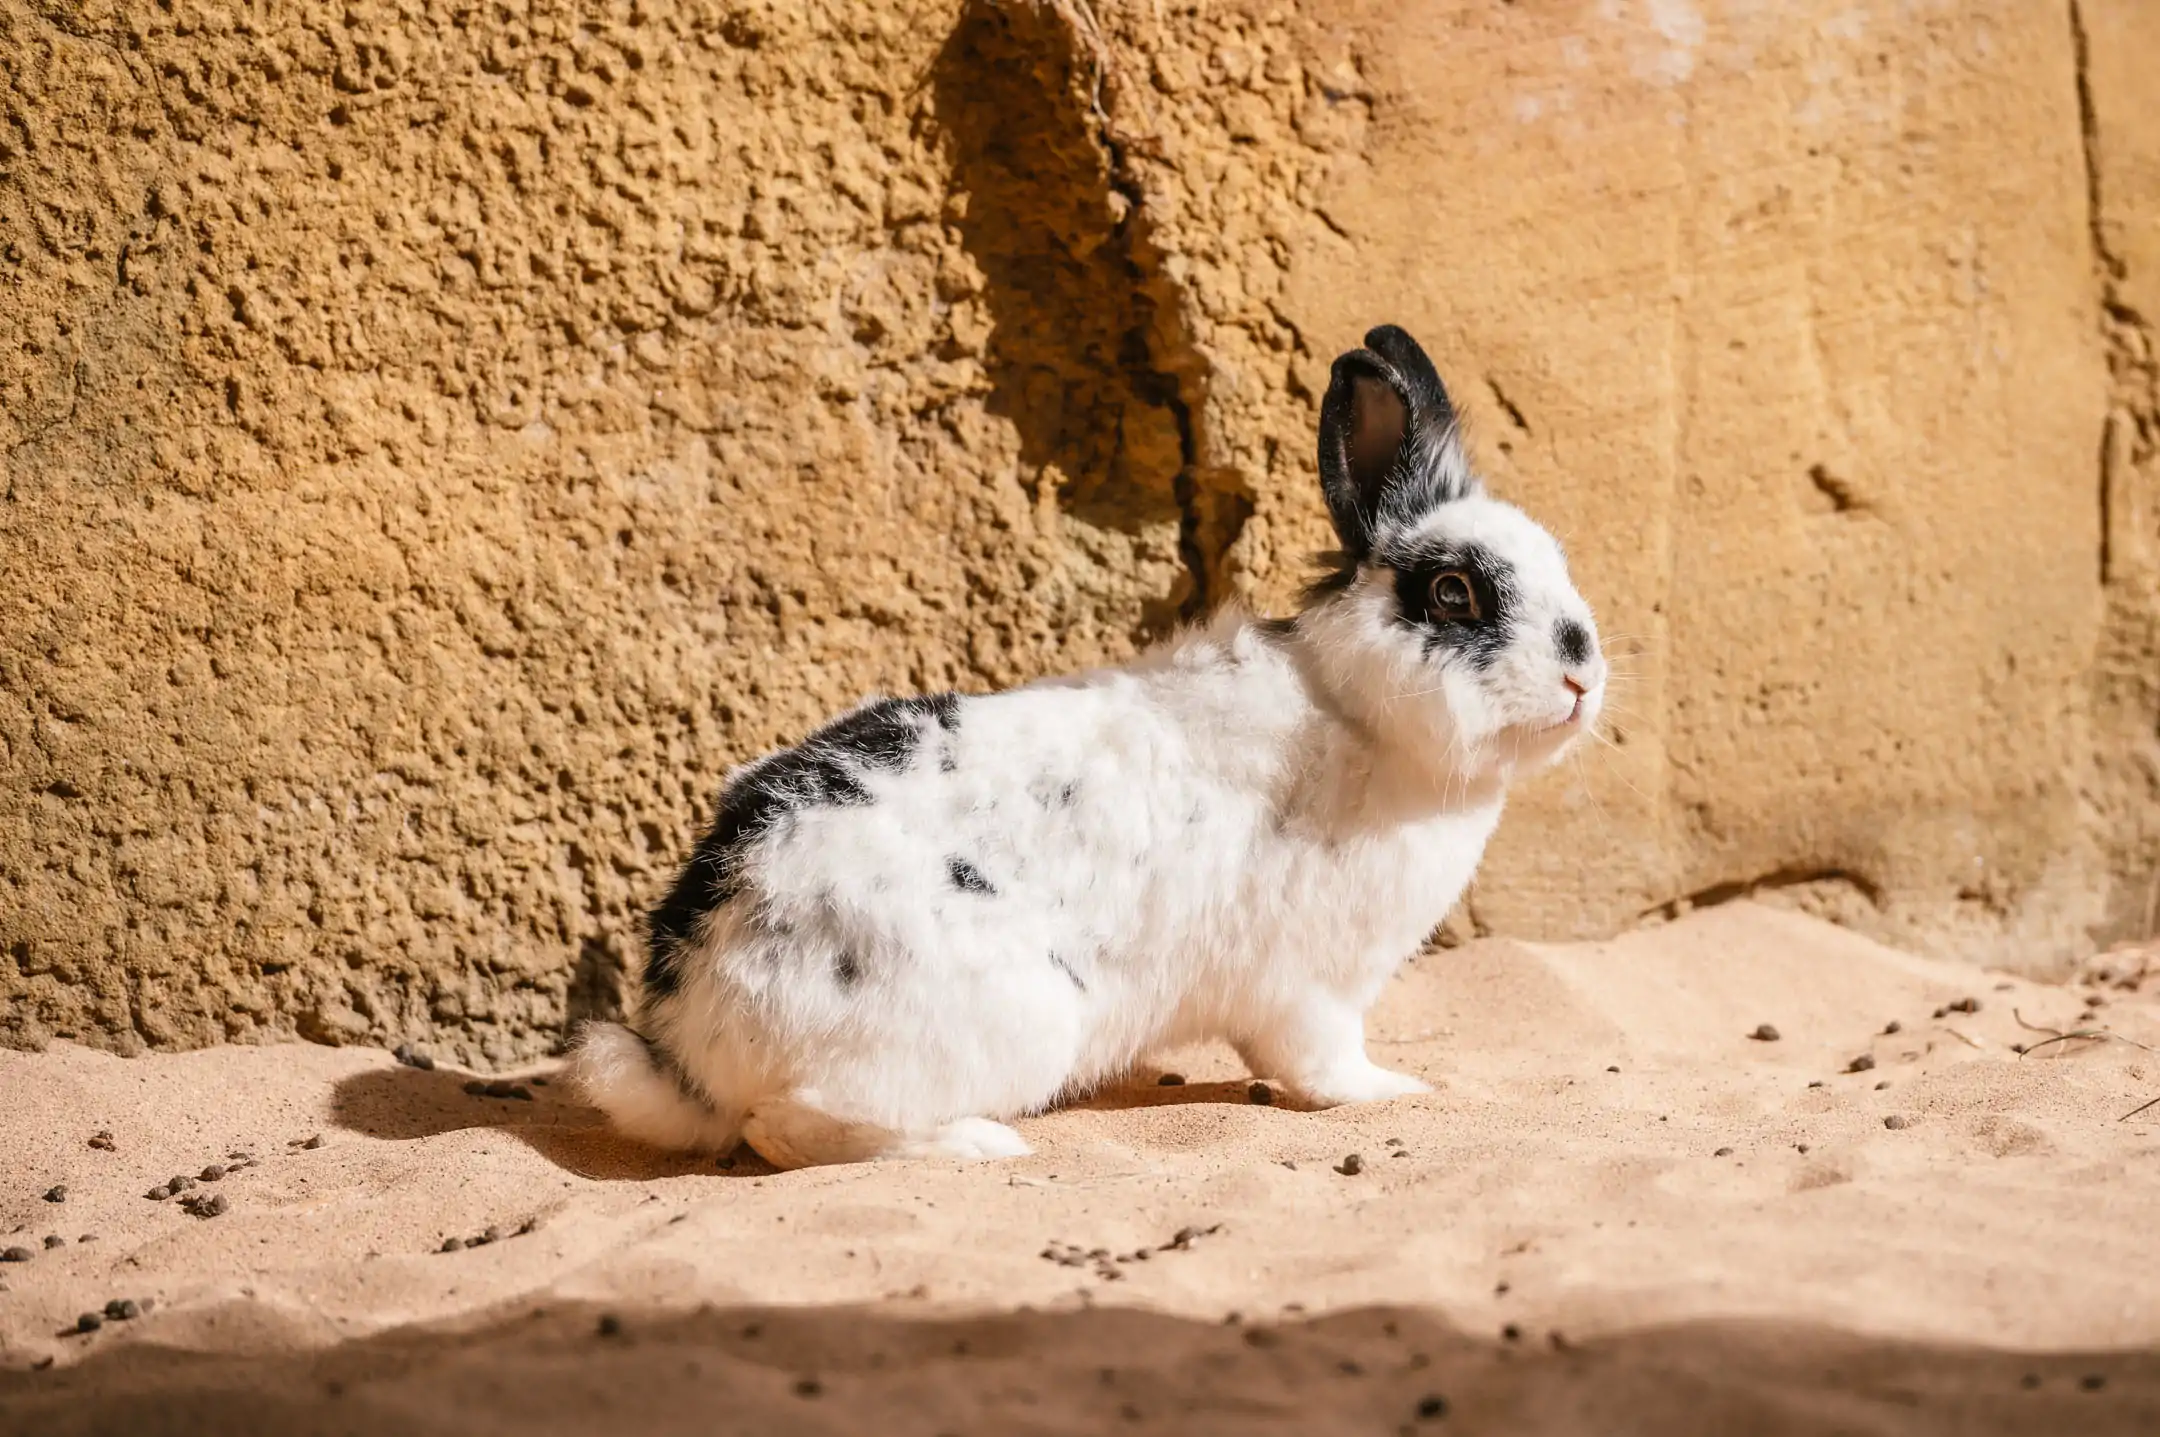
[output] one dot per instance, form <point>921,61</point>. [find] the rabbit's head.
<point>1450,624</point>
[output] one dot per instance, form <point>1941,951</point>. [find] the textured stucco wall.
<point>439,438</point>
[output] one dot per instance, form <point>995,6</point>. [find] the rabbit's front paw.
<point>1367,1083</point>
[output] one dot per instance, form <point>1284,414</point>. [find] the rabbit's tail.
<point>646,1094</point>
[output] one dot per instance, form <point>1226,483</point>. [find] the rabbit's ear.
<point>1389,449</point>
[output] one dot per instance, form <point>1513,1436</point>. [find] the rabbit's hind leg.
<point>794,1132</point>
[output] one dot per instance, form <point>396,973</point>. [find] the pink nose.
<point>1574,687</point>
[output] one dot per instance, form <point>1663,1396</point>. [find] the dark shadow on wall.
<point>564,1367</point>
<point>1068,353</point>
<point>597,986</point>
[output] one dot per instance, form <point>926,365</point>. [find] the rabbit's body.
<point>939,912</point>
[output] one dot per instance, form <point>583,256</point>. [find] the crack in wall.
<point>1169,369</point>
<point>1087,353</point>
<point>2125,693</point>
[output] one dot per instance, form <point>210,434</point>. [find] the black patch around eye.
<point>1479,641</point>
<point>966,877</point>
<point>824,770</point>
<point>1572,640</point>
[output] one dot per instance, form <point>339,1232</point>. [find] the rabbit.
<point>938,913</point>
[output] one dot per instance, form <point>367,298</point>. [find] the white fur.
<point>1261,827</point>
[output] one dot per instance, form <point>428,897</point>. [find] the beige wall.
<point>437,444</point>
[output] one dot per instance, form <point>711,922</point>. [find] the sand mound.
<point>1620,1212</point>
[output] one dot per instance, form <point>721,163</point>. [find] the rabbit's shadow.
<point>1144,1090</point>
<point>402,1103</point>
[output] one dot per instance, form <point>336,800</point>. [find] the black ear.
<point>1389,450</point>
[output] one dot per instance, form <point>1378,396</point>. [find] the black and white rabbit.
<point>940,912</point>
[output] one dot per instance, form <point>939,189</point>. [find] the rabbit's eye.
<point>1454,597</point>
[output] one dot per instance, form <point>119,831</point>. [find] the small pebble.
<point>102,1140</point>
<point>87,1237</point>
<point>1170,1080</point>
<point>1511,1333</point>
<point>1966,1005</point>
<point>1612,1070</point>
<point>212,1173</point>
<point>808,1387</point>
<point>16,1254</point>
<point>2017,1047</point>
<point>1895,1122</point>
<point>1261,1094</point>
<point>1394,1142</point>
<point>1861,1064</point>
<point>1893,1026</point>
<point>1500,1288</point>
<point>1722,1153</point>
<point>1800,1147</point>
<point>214,1206</point>
<point>1431,1407</point>
<point>158,1194</point>
<point>89,1322</point>
<point>53,1240</point>
<point>457,1244</point>
<point>413,1057</point>
<point>1351,1166</point>
<point>179,1184</point>
<point>123,1309</point>
<point>313,1143</point>
<point>56,1193</point>
<point>610,1325</point>
<point>1764,1033</point>
<point>1881,1085</point>
<point>1817,1083</point>
<point>2092,1382</point>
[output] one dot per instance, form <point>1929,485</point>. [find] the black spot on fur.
<point>1068,795</point>
<point>1572,640</point>
<point>1479,641</point>
<point>824,770</point>
<point>1067,969</point>
<point>664,1061</point>
<point>966,877</point>
<point>885,734</point>
<point>846,971</point>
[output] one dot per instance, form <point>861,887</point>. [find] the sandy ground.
<point>1619,1213</point>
